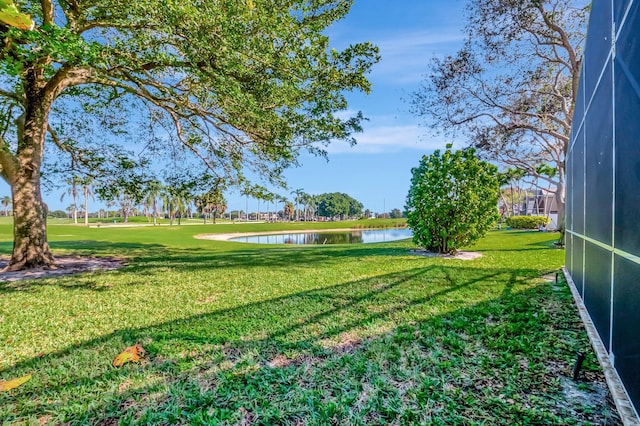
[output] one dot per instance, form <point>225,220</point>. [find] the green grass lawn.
<point>247,334</point>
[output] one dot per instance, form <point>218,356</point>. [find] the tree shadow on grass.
<point>144,258</point>
<point>406,347</point>
<point>6,248</point>
<point>95,246</point>
<point>537,245</point>
<point>144,251</point>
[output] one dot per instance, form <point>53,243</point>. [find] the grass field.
<point>246,334</point>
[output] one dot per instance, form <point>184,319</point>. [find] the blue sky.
<point>377,171</point>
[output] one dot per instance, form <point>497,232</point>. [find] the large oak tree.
<point>241,84</point>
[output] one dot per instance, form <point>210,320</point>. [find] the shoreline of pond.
<point>233,235</point>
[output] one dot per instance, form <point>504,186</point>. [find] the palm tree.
<point>269,198</point>
<point>298,193</point>
<point>6,202</point>
<point>180,206</point>
<point>201,206</point>
<point>71,209</point>
<point>175,200</point>
<point>309,203</point>
<point>169,202</point>
<point>262,194</point>
<point>246,192</point>
<point>509,177</point>
<point>73,183</point>
<point>550,172</point>
<point>312,206</point>
<point>110,204</point>
<point>280,199</point>
<point>288,209</point>
<point>153,189</point>
<point>218,205</point>
<point>86,182</point>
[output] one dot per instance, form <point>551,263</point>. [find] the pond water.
<point>355,236</point>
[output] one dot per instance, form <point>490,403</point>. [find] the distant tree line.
<point>131,193</point>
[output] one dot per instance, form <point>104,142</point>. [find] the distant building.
<point>531,202</point>
<point>540,202</point>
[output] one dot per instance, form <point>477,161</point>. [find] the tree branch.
<point>47,12</point>
<point>8,162</point>
<point>13,96</point>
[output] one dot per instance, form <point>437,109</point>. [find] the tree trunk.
<point>505,203</point>
<point>86,208</point>
<point>513,201</point>
<point>155,211</point>
<point>30,246</point>
<point>75,204</point>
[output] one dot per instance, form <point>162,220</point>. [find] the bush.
<point>527,222</point>
<point>58,214</point>
<point>453,200</point>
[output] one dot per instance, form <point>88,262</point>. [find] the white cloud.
<point>387,136</point>
<point>405,56</point>
<point>346,114</point>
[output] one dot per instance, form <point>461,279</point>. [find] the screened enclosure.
<point>603,185</point>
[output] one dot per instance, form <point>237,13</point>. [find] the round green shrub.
<point>527,222</point>
<point>452,201</point>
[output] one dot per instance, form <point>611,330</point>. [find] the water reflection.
<point>344,237</point>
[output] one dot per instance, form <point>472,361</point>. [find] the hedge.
<point>527,222</point>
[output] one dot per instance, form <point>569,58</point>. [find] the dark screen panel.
<point>569,194</point>
<point>599,162</point>
<point>578,111</point>
<point>628,368</point>
<point>577,174</point>
<point>628,46</point>
<point>598,43</point>
<point>597,288</point>
<point>577,256</point>
<point>626,303</point>
<point>619,8</point>
<point>568,241</point>
<point>627,74</point>
<point>626,315</point>
<point>606,150</point>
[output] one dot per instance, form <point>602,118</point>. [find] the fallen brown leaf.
<point>12,384</point>
<point>130,354</point>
